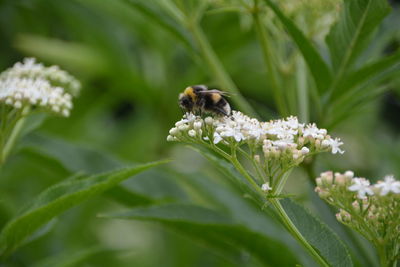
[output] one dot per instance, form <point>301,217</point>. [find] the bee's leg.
<point>220,111</point>
<point>201,104</point>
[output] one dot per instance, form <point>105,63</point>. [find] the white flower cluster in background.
<point>285,139</point>
<point>328,183</point>
<point>32,84</point>
<point>371,209</point>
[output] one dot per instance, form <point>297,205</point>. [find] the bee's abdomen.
<point>217,104</point>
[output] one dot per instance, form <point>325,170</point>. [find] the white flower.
<point>311,130</point>
<point>362,186</point>
<point>30,83</point>
<point>174,131</point>
<point>334,144</point>
<point>349,174</point>
<point>389,185</point>
<point>293,122</point>
<point>265,187</point>
<point>217,138</point>
<point>286,139</point>
<point>233,132</point>
<point>197,125</point>
<point>192,133</point>
<point>284,144</point>
<point>209,120</point>
<point>305,150</point>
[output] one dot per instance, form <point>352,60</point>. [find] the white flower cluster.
<point>32,84</point>
<point>372,210</point>
<point>286,138</point>
<point>329,182</point>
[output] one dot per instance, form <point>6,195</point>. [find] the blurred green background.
<point>133,65</point>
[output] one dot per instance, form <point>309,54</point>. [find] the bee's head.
<point>185,101</point>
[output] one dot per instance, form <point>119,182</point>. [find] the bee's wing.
<point>215,91</point>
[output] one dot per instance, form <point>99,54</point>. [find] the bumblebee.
<point>199,99</point>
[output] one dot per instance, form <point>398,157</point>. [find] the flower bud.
<point>192,133</point>
<point>179,123</point>
<point>322,193</point>
<point>305,150</point>
<point>340,180</point>
<point>345,216</point>
<point>257,158</point>
<point>356,206</point>
<point>325,143</point>
<point>174,131</point>
<point>339,217</point>
<point>265,187</point>
<point>197,125</point>
<point>18,104</point>
<point>183,127</point>
<point>208,120</point>
<point>349,174</point>
<point>327,178</point>
<point>300,141</point>
<point>317,144</point>
<point>323,131</point>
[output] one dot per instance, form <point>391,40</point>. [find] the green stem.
<point>173,10</point>
<point>13,136</point>
<point>272,72</point>
<point>281,183</point>
<point>245,174</point>
<point>218,70</point>
<point>296,233</point>
<point>382,256</point>
<point>256,167</point>
<point>281,212</point>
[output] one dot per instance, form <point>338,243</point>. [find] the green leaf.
<point>72,55</point>
<point>224,167</point>
<point>70,259</point>
<point>318,67</point>
<point>318,234</point>
<point>59,198</point>
<point>74,157</point>
<point>254,214</point>
<point>162,20</point>
<point>369,73</point>
<point>153,187</point>
<point>349,36</point>
<point>215,229</point>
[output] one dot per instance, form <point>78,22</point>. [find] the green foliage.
<point>316,232</point>
<point>332,62</point>
<point>215,229</point>
<point>348,38</point>
<point>56,200</point>
<point>319,69</point>
<point>71,259</point>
